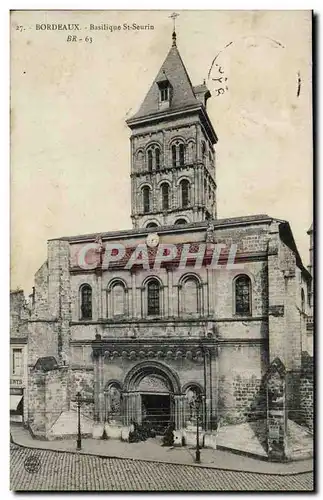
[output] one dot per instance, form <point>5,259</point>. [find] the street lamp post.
<point>79,436</point>
<point>198,452</point>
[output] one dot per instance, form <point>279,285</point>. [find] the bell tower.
<point>172,150</point>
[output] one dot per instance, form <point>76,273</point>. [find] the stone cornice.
<point>176,321</point>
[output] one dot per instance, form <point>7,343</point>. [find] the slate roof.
<point>183,94</point>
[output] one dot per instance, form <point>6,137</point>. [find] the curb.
<point>202,466</point>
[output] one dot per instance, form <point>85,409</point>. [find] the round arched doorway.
<point>150,389</point>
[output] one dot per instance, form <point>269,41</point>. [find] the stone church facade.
<point>141,343</point>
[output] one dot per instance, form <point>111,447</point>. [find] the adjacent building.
<point>19,316</point>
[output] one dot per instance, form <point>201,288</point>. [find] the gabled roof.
<point>182,90</point>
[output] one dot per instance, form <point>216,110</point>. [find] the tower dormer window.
<point>164,88</point>
<point>164,94</point>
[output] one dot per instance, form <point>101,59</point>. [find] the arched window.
<point>151,224</point>
<point>118,299</point>
<point>165,196</point>
<point>302,301</point>
<point>190,296</point>
<point>140,160</point>
<point>181,155</point>
<point>153,298</point>
<point>150,160</point>
<point>185,188</point>
<point>179,222</point>
<point>178,154</point>
<point>242,295</point>
<point>157,158</point>
<point>153,158</point>
<point>146,198</point>
<point>86,302</point>
<point>174,155</point>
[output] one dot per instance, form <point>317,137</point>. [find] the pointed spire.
<point>173,16</point>
<point>174,39</point>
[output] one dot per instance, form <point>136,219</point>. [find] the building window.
<point>16,361</point>
<point>118,299</point>
<point>153,296</point>
<point>153,158</point>
<point>86,302</point>
<point>174,155</point>
<point>190,296</point>
<point>150,160</point>
<point>164,94</point>
<point>157,158</point>
<point>185,188</point>
<point>243,296</point>
<point>302,301</point>
<point>151,224</point>
<point>146,198</point>
<point>165,196</point>
<point>178,154</point>
<point>181,155</point>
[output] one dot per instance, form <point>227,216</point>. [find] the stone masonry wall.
<point>307,392</point>
<point>47,399</point>
<point>36,402</point>
<point>82,381</point>
<point>241,394</point>
<point>56,395</point>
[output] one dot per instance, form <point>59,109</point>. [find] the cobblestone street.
<point>61,471</point>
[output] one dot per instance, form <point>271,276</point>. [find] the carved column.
<point>170,291</point>
<point>101,388</point>
<point>125,408</point>
<point>99,295</point>
<point>133,295</point>
<point>96,387</point>
<point>179,411</point>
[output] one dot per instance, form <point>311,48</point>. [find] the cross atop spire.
<point>173,16</point>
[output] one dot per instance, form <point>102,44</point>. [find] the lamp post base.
<point>78,444</point>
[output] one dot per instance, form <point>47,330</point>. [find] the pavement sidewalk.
<point>152,451</point>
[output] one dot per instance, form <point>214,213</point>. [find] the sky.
<point>70,151</point>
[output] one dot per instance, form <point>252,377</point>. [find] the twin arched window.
<point>146,198</point>
<point>178,154</point>
<point>242,290</point>
<point>153,158</point>
<point>86,302</point>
